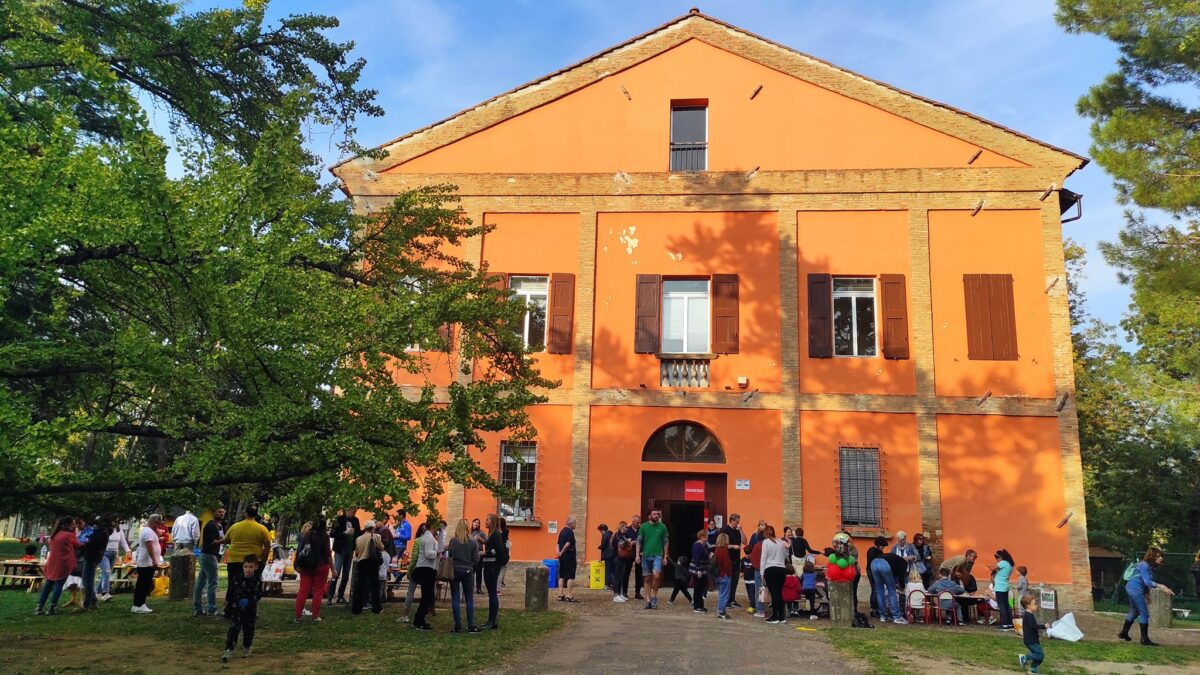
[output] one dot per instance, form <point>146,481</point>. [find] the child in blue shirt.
<point>808,581</point>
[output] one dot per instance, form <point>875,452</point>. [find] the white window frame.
<point>854,295</point>
<point>528,449</point>
<point>686,296</point>
<point>526,296</point>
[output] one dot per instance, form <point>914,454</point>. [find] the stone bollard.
<point>1048,611</point>
<point>1161,615</point>
<point>182,575</point>
<point>841,604</point>
<point>537,588</point>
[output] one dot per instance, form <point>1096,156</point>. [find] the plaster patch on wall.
<point>675,256</point>
<point>627,238</point>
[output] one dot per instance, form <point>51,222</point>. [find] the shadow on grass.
<point>888,650</point>
<point>342,642</point>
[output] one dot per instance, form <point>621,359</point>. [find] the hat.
<point>369,525</point>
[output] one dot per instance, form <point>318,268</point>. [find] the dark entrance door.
<point>683,513</point>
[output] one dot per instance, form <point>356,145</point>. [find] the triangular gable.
<point>996,142</point>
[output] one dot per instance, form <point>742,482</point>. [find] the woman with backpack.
<point>312,563</point>
<point>1138,588</point>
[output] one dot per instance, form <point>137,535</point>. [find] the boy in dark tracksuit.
<point>241,607</point>
<point>681,578</point>
<point>1029,631</point>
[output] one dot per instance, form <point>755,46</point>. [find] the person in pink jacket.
<point>63,546</point>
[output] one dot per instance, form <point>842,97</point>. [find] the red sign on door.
<point>693,490</point>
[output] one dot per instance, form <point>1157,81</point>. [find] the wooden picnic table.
<point>21,573</point>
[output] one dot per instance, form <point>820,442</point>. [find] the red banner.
<point>693,490</point>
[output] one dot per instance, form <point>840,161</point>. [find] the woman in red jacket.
<point>63,545</point>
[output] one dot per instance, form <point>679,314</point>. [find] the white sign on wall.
<point>742,484</point>
<point>553,527</point>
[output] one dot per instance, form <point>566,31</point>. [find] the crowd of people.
<point>778,570</point>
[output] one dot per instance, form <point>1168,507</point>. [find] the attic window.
<point>689,135</point>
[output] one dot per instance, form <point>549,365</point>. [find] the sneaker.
<point>227,655</point>
<point>812,617</point>
<point>654,602</point>
<point>649,605</point>
<point>1021,659</point>
<point>317,620</point>
<point>424,627</point>
<point>901,620</point>
<point>246,653</point>
<point>619,598</point>
<point>700,610</point>
<point>53,611</point>
<point>993,621</point>
<point>307,612</point>
<point>774,621</point>
<point>456,629</point>
<point>197,613</point>
<point>1004,629</point>
<point>760,615</point>
<point>474,629</point>
<point>734,603</point>
<point>671,603</point>
<point>143,609</point>
<point>749,610</point>
<point>403,619</point>
<point>723,617</point>
<point>981,621</point>
<point>39,612</point>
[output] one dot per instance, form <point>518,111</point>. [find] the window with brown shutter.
<point>647,319</point>
<point>991,317</point>
<point>562,313</point>
<point>725,314</point>
<point>820,316</point>
<point>895,316</point>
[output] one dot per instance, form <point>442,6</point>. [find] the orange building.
<point>774,287</point>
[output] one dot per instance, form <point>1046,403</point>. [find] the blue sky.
<point>1005,60</point>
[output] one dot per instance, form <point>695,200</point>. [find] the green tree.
<point>163,339</point>
<point>1146,134</point>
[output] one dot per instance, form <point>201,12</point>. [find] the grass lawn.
<point>1193,620</point>
<point>11,548</point>
<point>913,650</point>
<point>170,640</point>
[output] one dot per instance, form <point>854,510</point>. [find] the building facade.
<point>774,287</point>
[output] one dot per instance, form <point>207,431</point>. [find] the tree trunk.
<point>281,530</point>
<point>841,604</point>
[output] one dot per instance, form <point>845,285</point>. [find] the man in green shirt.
<point>653,545</point>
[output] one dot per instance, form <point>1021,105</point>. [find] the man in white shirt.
<point>186,531</point>
<point>147,559</point>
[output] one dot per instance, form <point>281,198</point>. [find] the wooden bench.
<point>19,580</point>
<point>272,587</point>
<point>117,584</point>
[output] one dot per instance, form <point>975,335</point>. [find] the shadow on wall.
<point>1002,487</point>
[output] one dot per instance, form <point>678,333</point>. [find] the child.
<point>30,554</point>
<point>1021,588</point>
<point>748,576</point>
<point>809,584</point>
<point>385,563</point>
<point>681,578</point>
<point>1029,631</point>
<point>945,583</point>
<point>241,607</point>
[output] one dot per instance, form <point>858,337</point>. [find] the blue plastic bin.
<point>552,564</point>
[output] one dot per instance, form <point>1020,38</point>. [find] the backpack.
<point>1130,572</point>
<point>713,570</point>
<point>861,621</point>
<point>306,559</point>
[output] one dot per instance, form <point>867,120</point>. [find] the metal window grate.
<point>862,498</point>
<point>518,470</point>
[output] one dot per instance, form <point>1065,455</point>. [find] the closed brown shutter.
<point>498,280</point>
<point>979,316</point>
<point>991,317</point>
<point>1004,320</point>
<point>895,316</point>
<point>648,318</point>
<point>562,313</point>
<point>820,316</point>
<point>725,314</point>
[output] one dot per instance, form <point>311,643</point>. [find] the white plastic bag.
<point>1065,629</point>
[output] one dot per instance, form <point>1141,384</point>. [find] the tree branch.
<point>166,484</point>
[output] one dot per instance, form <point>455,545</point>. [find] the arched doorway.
<point>690,491</point>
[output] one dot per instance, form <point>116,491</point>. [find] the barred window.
<point>862,499</point>
<point>518,471</point>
